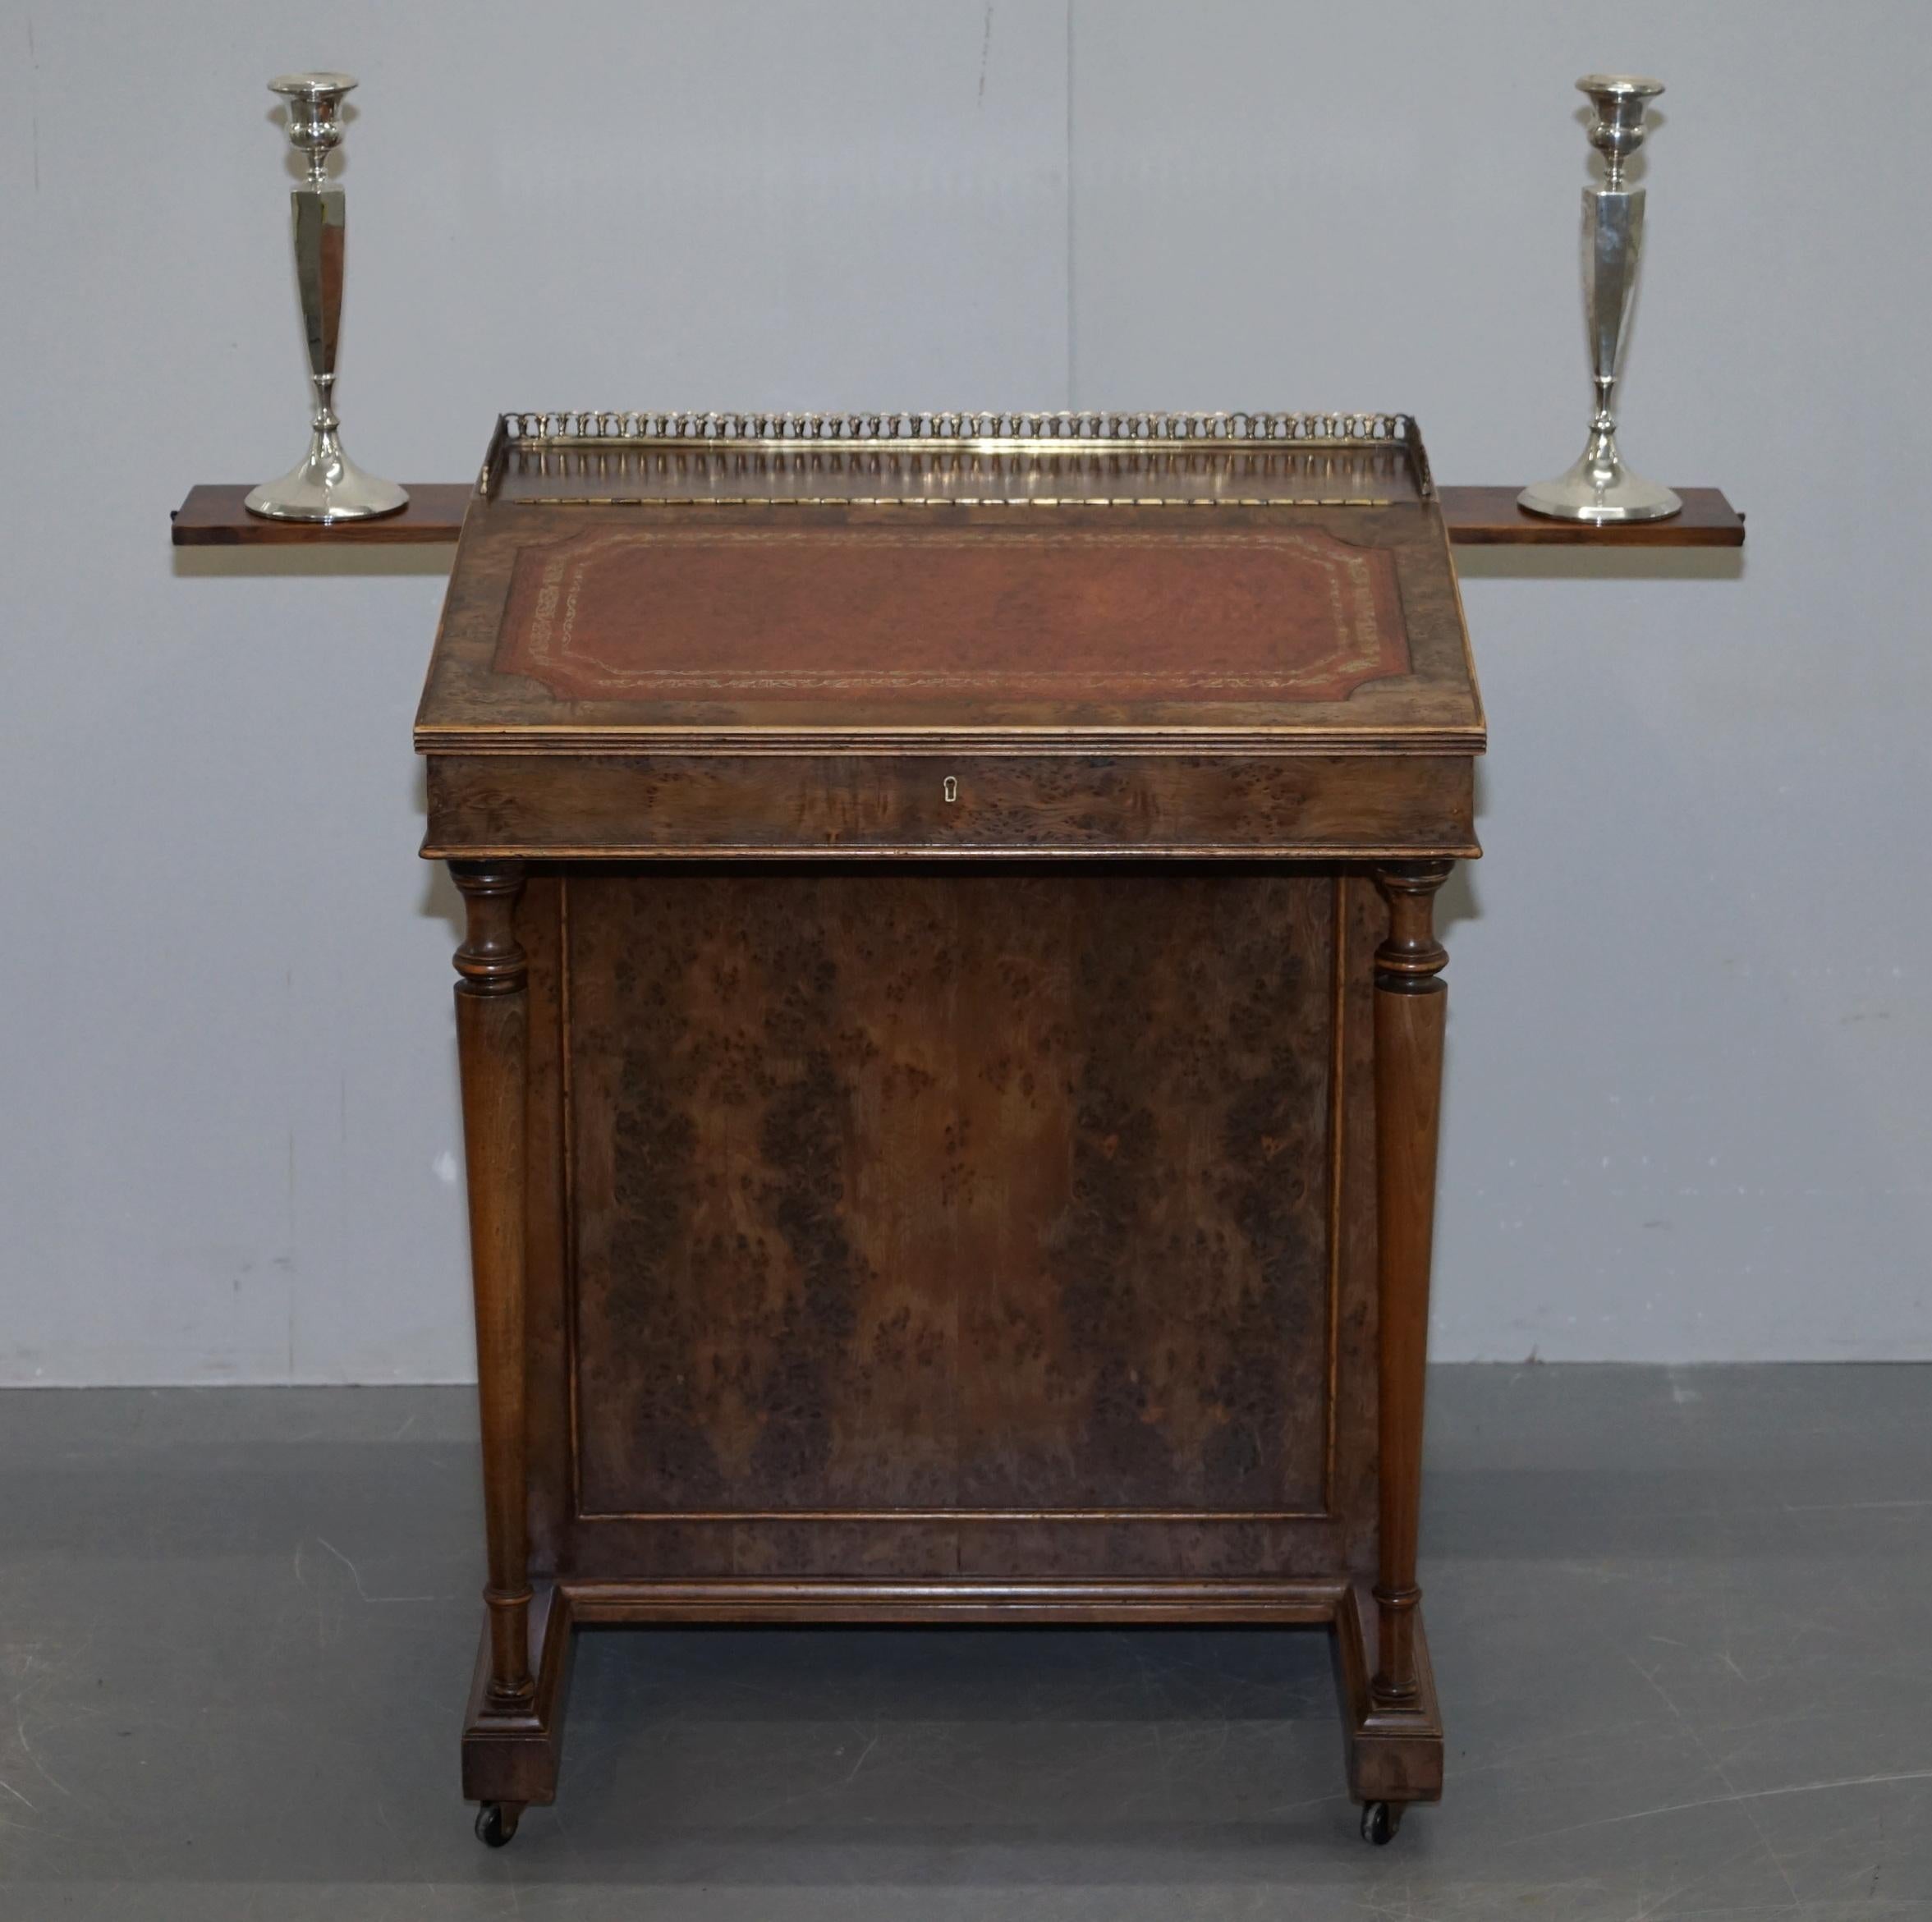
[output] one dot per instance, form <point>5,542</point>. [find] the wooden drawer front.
<point>938,803</point>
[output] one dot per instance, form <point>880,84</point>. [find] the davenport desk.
<point>951,1026</point>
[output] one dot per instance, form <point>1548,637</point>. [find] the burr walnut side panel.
<point>1002,1199</point>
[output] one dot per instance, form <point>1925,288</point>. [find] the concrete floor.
<point>1682,1622</point>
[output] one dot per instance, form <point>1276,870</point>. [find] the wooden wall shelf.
<point>212,516</point>
<point>1489,517</point>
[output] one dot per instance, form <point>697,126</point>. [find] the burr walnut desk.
<point>951,1026</point>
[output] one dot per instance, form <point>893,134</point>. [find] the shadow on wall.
<point>1555,564</point>
<point>296,560</point>
<point>439,900</point>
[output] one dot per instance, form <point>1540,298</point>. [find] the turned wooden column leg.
<point>493,1045</point>
<point>1409,1008</point>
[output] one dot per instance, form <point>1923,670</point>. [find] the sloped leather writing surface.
<point>693,614</point>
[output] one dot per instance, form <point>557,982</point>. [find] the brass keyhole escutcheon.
<point>950,787</point>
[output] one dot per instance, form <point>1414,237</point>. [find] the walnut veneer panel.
<point>950,803</point>
<point>889,1189</point>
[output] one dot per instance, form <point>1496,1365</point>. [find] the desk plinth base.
<point>511,1760</point>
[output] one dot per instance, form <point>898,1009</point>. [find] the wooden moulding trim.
<point>1355,1630</point>
<point>513,1755</point>
<point>435,850</point>
<point>1338,1174</point>
<point>1278,744</point>
<point>869,1599</point>
<point>1392,1755</point>
<point>549,1639</point>
<point>1003,1518</point>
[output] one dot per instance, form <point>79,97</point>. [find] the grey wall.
<point>1686,1112</point>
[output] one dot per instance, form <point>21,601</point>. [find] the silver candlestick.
<point>326,484</point>
<point>1600,487</point>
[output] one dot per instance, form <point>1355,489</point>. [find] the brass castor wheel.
<point>496,1823</point>
<point>1380,1820</point>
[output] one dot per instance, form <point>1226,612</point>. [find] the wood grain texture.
<point>1410,1007</point>
<point>512,1751</point>
<point>539,932</point>
<point>1307,1602</point>
<point>212,516</point>
<point>884,805</point>
<point>1489,517</point>
<point>1394,1753</point>
<point>884,1186</point>
<point>492,1024</point>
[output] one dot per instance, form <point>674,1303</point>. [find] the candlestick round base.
<point>325,486</point>
<point>1602,489</point>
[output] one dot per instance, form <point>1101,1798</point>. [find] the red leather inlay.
<point>684,613</point>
